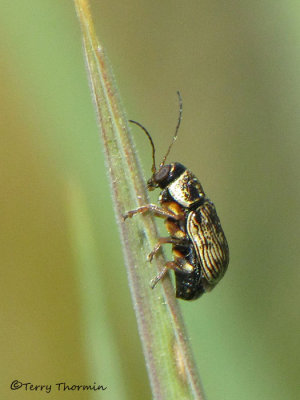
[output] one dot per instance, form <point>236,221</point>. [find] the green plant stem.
<point>170,365</point>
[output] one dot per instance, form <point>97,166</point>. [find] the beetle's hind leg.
<point>178,265</point>
<point>158,211</point>
<point>159,276</point>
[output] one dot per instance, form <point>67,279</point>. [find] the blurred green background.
<point>66,313</point>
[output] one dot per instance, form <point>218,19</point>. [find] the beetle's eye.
<point>162,174</point>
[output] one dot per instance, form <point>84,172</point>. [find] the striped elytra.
<point>202,257</point>
<point>205,231</point>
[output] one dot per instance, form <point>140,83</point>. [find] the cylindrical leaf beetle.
<point>199,246</point>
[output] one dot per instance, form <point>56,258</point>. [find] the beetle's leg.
<point>179,265</point>
<point>159,276</point>
<point>158,211</point>
<point>177,237</point>
<point>164,240</point>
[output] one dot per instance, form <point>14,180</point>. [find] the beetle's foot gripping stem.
<point>129,214</point>
<point>140,210</point>
<point>161,241</point>
<point>157,211</point>
<point>158,277</point>
<point>169,265</point>
<point>153,252</point>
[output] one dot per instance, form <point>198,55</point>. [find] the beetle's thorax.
<point>181,184</point>
<point>186,189</point>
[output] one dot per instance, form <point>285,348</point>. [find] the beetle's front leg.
<point>158,211</point>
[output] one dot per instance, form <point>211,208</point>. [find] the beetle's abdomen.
<point>189,280</point>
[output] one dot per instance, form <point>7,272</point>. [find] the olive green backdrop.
<point>66,313</point>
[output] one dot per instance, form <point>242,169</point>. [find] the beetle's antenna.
<point>151,141</point>
<point>176,130</point>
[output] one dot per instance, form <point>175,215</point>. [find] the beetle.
<point>199,245</point>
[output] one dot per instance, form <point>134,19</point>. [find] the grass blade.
<point>172,372</point>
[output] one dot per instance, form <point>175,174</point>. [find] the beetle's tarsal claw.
<point>158,277</point>
<point>154,282</point>
<point>150,256</point>
<point>129,214</point>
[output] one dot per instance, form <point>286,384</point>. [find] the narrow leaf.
<point>171,368</point>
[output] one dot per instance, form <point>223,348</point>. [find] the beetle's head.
<point>165,175</point>
<point>159,178</point>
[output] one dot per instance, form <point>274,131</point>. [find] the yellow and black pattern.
<point>199,246</point>
<point>186,189</point>
<point>205,231</point>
